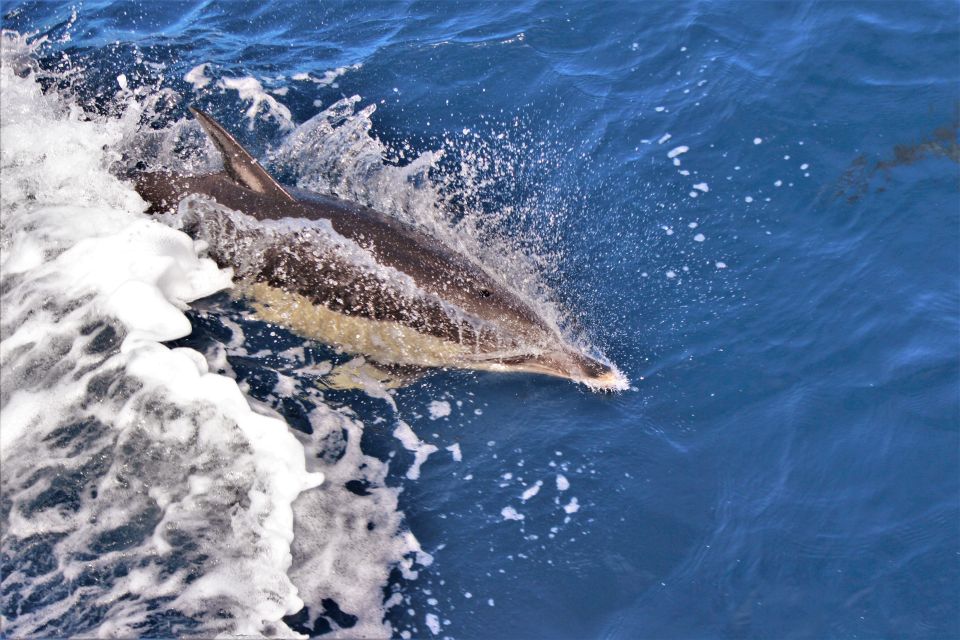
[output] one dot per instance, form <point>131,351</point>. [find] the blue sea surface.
<point>754,209</point>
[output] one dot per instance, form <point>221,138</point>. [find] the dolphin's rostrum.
<point>360,280</point>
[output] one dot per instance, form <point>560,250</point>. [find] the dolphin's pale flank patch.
<point>381,340</point>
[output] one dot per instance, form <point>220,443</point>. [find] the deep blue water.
<point>789,463</point>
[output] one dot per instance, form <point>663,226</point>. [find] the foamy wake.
<point>141,492</point>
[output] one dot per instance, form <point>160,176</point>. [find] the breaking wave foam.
<point>143,493</point>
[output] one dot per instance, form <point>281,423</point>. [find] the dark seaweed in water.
<point>855,182</point>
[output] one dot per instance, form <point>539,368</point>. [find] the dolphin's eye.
<point>485,293</point>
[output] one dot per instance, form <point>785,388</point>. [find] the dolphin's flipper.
<point>360,373</point>
<point>237,162</point>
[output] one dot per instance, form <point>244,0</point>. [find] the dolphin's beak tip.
<point>572,365</point>
<point>611,381</point>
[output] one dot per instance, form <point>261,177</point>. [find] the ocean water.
<point>752,209</point>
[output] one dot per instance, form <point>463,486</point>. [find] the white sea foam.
<point>421,450</point>
<point>97,288</point>
<point>454,450</point>
<point>328,78</point>
<point>438,409</point>
<point>509,513</point>
<point>344,546</point>
<point>198,77</point>
<point>531,491</point>
<point>250,89</point>
<point>128,466</point>
<point>433,623</point>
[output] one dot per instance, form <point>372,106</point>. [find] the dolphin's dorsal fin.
<point>237,162</point>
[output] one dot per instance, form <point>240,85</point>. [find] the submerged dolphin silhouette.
<point>375,286</point>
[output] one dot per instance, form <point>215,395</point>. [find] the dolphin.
<point>360,280</point>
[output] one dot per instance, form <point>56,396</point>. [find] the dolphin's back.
<point>393,243</point>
